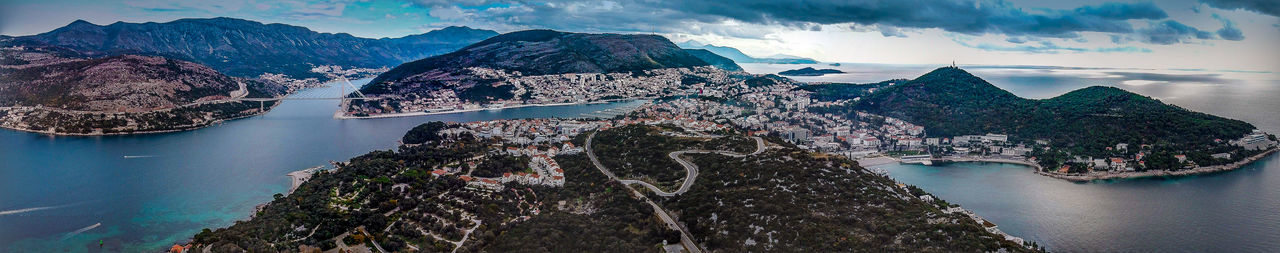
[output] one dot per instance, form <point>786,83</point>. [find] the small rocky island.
<point>809,71</point>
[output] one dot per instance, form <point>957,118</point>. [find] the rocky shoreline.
<point>1161,173</point>
<point>1112,176</point>
<point>4,125</point>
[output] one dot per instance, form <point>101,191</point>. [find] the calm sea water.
<point>144,193</point>
<point>1236,211</point>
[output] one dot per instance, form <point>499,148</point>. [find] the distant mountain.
<point>544,52</point>
<point>739,57</point>
<point>809,71</point>
<point>115,83</point>
<point>715,59</point>
<point>436,42</point>
<point>56,91</point>
<point>246,48</point>
<point>950,101</point>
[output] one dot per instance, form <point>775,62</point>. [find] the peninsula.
<point>1092,133</point>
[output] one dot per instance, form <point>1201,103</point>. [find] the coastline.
<point>1161,173</point>
<point>875,161</point>
<point>994,160</point>
<point>296,178</point>
<point>178,129</point>
<point>882,160</point>
<point>1082,178</point>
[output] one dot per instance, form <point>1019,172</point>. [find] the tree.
<point>424,133</point>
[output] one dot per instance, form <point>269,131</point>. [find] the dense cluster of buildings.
<point>786,111</point>
<point>552,89</point>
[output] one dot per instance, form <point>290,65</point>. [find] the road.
<point>371,239</point>
<point>685,238</point>
<point>692,173</point>
<point>691,169</point>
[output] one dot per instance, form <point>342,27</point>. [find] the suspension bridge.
<point>315,94</point>
<point>312,95</point>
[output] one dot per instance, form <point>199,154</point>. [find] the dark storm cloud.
<point>1146,10</point>
<point>1171,32</point>
<point>962,16</point>
<point>1229,30</point>
<point>972,17</point>
<point>1268,7</point>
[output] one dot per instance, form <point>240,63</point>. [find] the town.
<point>708,99</point>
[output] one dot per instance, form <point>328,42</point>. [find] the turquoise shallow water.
<point>174,184</point>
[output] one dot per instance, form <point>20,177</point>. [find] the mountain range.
<point>247,48</point>
<point>739,57</point>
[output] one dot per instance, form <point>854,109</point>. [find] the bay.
<point>150,191</point>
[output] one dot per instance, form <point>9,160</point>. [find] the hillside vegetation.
<point>949,102</point>
<point>543,52</point>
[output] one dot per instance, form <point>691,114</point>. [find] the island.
<point>810,71</point>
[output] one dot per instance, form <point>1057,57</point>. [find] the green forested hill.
<point>950,101</point>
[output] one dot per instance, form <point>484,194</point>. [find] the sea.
<point>1236,211</point>
<point>147,192</point>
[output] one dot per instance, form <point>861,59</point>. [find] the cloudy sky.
<point>1239,35</point>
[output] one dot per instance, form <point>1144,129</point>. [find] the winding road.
<point>691,169</point>
<point>692,174</point>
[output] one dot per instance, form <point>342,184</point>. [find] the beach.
<point>878,160</point>
<point>301,176</point>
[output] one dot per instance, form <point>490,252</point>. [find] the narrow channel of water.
<point>149,191</point>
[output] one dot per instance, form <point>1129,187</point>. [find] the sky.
<point>1237,35</point>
